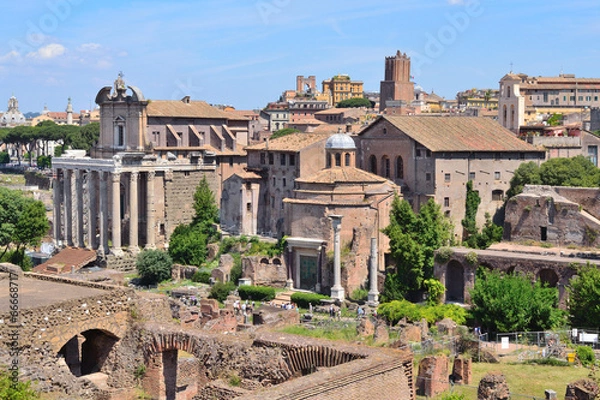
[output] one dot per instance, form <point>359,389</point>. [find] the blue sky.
<point>246,52</point>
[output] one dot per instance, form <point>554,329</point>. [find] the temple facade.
<point>139,181</point>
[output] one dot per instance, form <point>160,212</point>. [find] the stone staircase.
<point>283,298</point>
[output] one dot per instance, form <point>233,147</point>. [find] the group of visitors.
<point>189,301</point>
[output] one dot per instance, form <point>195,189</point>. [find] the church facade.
<point>138,183</point>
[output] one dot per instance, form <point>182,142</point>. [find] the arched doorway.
<point>86,352</point>
<point>455,282</point>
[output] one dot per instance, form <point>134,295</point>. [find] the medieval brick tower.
<point>396,86</point>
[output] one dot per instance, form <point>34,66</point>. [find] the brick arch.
<point>305,360</point>
<point>61,336</point>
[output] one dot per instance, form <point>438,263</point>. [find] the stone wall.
<point>34,178</point>
<point>265,271</point>
<point>433,376</point>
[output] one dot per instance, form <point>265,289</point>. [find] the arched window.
<point>347,159</point>
<point>385,167</point>
<point>399,168</point>
<point>512,116</point>
<point>338,160</point>
<point>504,116</point>
<point>373,164</point>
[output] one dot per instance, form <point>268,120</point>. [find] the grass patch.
<point>11,179</point>
<point>524,379</point>
<point>346,332</point>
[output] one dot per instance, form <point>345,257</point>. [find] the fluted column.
<point>337,291</point>
<point>116,214</point>
<point>103,175</point>
<point>373,297</point>
<point>133,211</point>
<point>150,229</point>
<point>56,213</point>
<point>92,210</point>
<point>79,206</point>
<point>68,208</point>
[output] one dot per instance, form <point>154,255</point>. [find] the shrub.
<point>359,294</point>
<point>304,299</point>
<point>202,276</point>
<point>586,355</point>
<point>443,254</point>
<point>4,157</point>
<point>221,290</point>
<point>471,258</point>
<point>19,390</point>
<point>236,270</point>
<point>259,293</point>
<point>435,291</point>
<point>154,266</point>
<point>395,310</point>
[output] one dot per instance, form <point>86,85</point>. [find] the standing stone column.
<point>79,202</point>
<point>116,214</point>
<point>337,291</point>
<point>92,210</point>
<point>56,203</point>
<point>133,212</point>
<point>290,281</point>
<point>373,298</point>
<point>68,208</point>
<point>103,175</point>
<point>150,230</point>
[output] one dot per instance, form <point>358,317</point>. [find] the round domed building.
<point>12,117</point>
<point>340,192</point>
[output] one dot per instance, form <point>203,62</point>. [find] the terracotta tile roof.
<point>68,259</point>
<point>342,175</point>
<point>248,175</point>
<point>291,142</point>
<point>458,133</point>
<point>60,115</point>
<point>335,128</point>
<point>307,121</point>
<point>193,109</point>
<point>333,110</point>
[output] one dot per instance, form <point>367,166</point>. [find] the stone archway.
<point>86,352</point>
<point>455,282</point>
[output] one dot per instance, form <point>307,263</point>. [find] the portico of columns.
<point>86,193</point>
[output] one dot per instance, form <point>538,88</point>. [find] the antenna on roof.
<point>511,67</point>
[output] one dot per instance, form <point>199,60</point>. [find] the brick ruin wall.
<point>265,271</point>
<point>180,187</point>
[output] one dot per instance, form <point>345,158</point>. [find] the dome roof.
<point>340,141</point>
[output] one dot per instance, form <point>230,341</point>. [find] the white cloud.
<point>11,55</point>
<point>89,47</point>
<point>51,50</point>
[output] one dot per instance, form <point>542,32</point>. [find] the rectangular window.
<point>545,97</point>
<point>427,153</point>
<point>471,176</point>
<point>282,159</point>
<point>248,206</point>
<point>497,175</point>
<point>274,181</point>
<point>418,153</point>
<point>595,98</point>
<point>564,98</point>
<point>292,159</point>
<point>284,182</point>
<point>446,177</point>
<point>231,161</point>
<point>271,158</point>
<point>579,98</point>
<point>593,154</point>
<point>263,158</point>
<point>521,156</point>
<point>446,201</point>
<point>572,98</point>
<point>428,176</point>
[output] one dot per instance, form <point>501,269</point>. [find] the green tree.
<point>23,220</point>
<point>490,233</point>
<point>154,266</point>
<point>187,245</point>
<point>511,303</point>
<point>526,174</point>
<point>555,119</point>
<point>413,241</point>
<point>205,205</point>
<point>356,102</point>
<point>469,223</point>
<point>584,297</point>
<point>86,137</point>
<point>283,132</point>
<point>576,171</point>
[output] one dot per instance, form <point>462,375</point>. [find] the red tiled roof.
<point>193,109</point>
<point>68,259</point>
<point>342,175</point>
<point>291,142</point>
<point>457,133</point>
